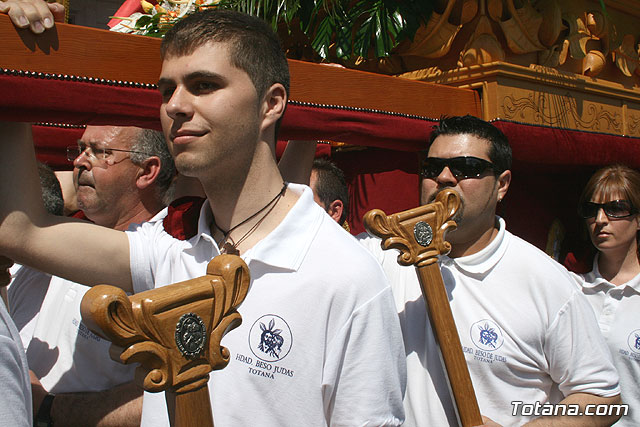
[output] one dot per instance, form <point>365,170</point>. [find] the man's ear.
<point>273,105</point>
<point>149,171</point>
<point>335,210</point>
<point>504,180</point>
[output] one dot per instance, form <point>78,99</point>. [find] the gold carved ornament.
<point>499,29</point>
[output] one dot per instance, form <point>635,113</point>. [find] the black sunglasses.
<point>460,167</point>
<point>613,209</point>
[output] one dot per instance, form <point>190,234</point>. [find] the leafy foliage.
<point>362,28</point>
<point>335,29</point>
<point>152,25</point>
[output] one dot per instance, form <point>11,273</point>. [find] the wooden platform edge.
<point>90,52</point>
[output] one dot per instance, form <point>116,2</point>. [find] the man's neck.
<point>138,214</point>
<point>470,245</point>
<point>233,202</point>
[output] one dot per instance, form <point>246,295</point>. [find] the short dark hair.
<point>150,143</point>
<point>51,190</point>
<point>331,185</point>
<point>253,46</point>
<point>499,148</point>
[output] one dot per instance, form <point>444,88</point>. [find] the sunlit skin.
<point>209,110</point>
<point>479,196</point>
<point>212,115</point>
<point>615,239</point>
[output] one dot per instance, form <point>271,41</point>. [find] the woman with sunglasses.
<point>609,206</point>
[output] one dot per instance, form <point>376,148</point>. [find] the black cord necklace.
<point>231,247</point>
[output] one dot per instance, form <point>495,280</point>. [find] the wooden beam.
<point>90,52</point>
<point>80,51</point>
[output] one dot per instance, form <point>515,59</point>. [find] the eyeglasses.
<point>103,154</point>
<point>613,209</point>
<point>460,167</point>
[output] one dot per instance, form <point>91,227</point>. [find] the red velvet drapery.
<point>550,164</point>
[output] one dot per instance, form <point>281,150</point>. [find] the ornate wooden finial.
<point>417,233</point>
<point>419,236</point>
<point>174,332</point>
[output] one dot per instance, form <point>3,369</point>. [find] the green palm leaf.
<point>338,29</point>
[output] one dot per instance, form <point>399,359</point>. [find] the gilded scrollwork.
<point>397,231</point>
<point>560,111</point>
<point>579,38</point>
<point>633,123</point>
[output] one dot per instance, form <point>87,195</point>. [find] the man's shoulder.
<point>344,258</point>
<point>343,245</point>
<point>529,253</point>
<point>535,264</point>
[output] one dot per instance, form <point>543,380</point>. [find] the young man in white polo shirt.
<point>527,334</point>
<point>320,342</point>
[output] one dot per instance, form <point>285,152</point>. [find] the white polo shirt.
<point>63,353</point>
<point>617,309</point>
<point>15,386</point>
<point>526,332</point>
<point>339,358</point>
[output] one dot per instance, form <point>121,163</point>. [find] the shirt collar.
<point>287,245</point>
<point>594,279</point>
<point>483,261</point>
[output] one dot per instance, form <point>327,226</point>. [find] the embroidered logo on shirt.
<point>486,335</point>
<point>270,338</point>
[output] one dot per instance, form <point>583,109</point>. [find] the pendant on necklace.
<point>229,249</point>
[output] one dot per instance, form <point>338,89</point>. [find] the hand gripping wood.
<point>419,236</point>
<point>174,332</point>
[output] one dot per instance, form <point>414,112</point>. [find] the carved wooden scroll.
<point>419,236</point>
<point>174,332</point>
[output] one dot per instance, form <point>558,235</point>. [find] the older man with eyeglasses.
<point>528,336</point>
<point>121,176</point>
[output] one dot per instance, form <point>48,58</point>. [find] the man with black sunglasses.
<point>519,318</point>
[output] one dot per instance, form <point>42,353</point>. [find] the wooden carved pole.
<point>174,332</point>
<point>419,235</point>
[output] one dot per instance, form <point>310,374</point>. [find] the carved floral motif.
<point>634,124</point>
<point>560,111</point>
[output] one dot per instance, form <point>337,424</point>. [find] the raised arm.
<point>297,160</point>
<point>76,250</point>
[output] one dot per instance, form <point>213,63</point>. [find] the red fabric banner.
<point>550,164</point>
